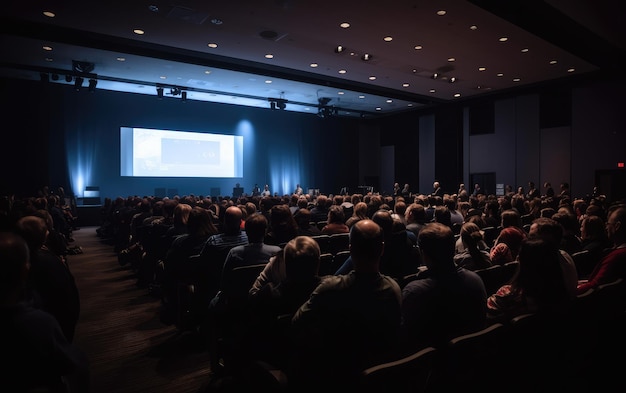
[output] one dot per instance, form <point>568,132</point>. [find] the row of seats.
<point>526,353</point>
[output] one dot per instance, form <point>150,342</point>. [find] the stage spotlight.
<point>366,57</point>
<point>159,93</point>
<point>183,96</point>
<point>44,77</point>
<point>68,78</point>
<point>78,83</point>
<point>452,80</point>
<point>92,85</point>
<point>281,104</point>
<point>55,77</point>
<point>273,105</point>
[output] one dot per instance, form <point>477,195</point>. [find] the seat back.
<point>492,278</point>
<point>324,243</point>
<point>339,242</point>
<point>327,264</point>
<point>412,373</point>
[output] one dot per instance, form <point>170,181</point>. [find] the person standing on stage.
<point>266,191</point>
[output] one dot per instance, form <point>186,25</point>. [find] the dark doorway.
<point>487,182</point>
<point>612,183</point>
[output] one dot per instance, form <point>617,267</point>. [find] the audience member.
<point>448,302</point>
<point>613,265</point>
<point>335,221</point>
<point>50,279</point>
<point>282,225</point>
<point>305,226</point>
<point>350,322</point>
<point>507,245</point>
<point>359,213</point>
<point>38,356</point>
<point>537,287</point>
<point>475,253</point>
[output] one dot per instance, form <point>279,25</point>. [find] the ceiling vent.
<point>187,15</point>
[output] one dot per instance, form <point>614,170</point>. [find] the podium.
<point>237,192</point>
<point>365,189</point>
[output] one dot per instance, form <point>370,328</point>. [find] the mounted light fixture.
<point>452,79</point>
<point>68,78</point>
<point>159,90</point>
<point>366,57</point>
<point>92,85</point>
<point>78,83</point>
<point>277,103</point>
<point>183,96</point>
<point>339,48</point>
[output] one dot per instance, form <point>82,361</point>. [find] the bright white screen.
<point>164,153</point>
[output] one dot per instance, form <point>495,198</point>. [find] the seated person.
<point>38,356</point>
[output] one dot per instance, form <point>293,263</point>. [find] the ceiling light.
<point>405,85</point>
<point>435,75</point>
<point>139,32</point>
<point>388,39</point>
<point>525,50</point>
<point>418,47</point>
<point>457,95</point>
<point>389,101</point>
<point>441,12</point>
<point>217,21</point>
<point>372,78</point>
<point>482,68</point>
<point>516,79</point>
<point>571,69</point>
<point>313,65</point>
<point>432,90</point>
<point>68,78</point>
<point>473,27</point>
<point>212,45</point>
<point>339,49</point>
<point>92,85</point>
<point>366,57</point>
<point>342,71</point>
<point>499,75</point>
<point>452,80</point>
<point>269,56</point>
<point>503,39</point>
<point>345,25</point>
<point>451,59</point>
<point>552,62</point>
<point>121,59</point>
<point>49,14</point>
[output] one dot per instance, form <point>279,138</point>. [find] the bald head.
<point>366,244</point>
<point>232,219</point>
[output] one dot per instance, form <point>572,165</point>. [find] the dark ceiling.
<point>476,48</point>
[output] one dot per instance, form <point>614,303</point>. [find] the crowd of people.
<point>412,278</point>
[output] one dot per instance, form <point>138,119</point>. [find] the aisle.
<point>130,350</point>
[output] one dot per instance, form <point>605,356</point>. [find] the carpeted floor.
<point>129,349</point>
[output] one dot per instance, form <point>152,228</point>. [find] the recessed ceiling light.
<point>207,72</point>
<point>268,81</point>
<point>212,45</point>
<point>389,101</point>
<point>410,104</point>
<point>48,48</point>
<point>342,71</point>
<point>571,69</point>
<point>452,80</point>
<point>482,68</point>
<point>121,59</point>
<point>269,56</point>
<point>153,8</point>
<point>313,65</point>
<point>432,90</point>
<point>552,62</point>
<point>516,79</point>
<point>457,95</point>
<point>366,57</point>
<point>441,12</point>
<point>340,93</point>
<point>372,78</point>
<point>139,32</point>
<point>49,59</point>
<point>361,97</point>
<point>525,50</point>
<point>379,108</point>
<point>417,47</point>
<point>49,14</point>
<point>388,39</point>
<point>163,77</point>
<point>339,49</point>
<point>473,27</point>
<point>405,85</point>
<point>451,59</point>
<point>499,74</point>
<point>217,21</point>
<point>503,39</point>
<point>345,25</point>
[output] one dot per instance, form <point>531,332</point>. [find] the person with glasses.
<point>613,265</point>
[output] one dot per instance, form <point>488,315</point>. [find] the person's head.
<point>200,223</point>
<point>33,230</point>
<point>256,226</point>
<point>616,225</point>
<point>366,245</point>
<point>437,245</point>
<point>415,213</point>
<point>303,218</point>
<point>547,229</point>
<point>360,210</point>
<point>384,219</point>
<point>510,218</point>
<point>14,265</point>
<point>470,234</point>
<point>232,220</point>
<point>540,277</point>
<point>512,237</point>
<point>336,215</point>
<point>302,258</point>
<point>181,213</point>
<point>442,215</point>
<point>436,185</point>
<point>593,228</point>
